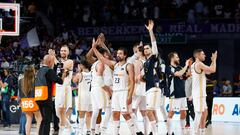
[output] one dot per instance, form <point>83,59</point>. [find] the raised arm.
<point>90,57</point>
<point>209,69</point>
<point>183,70</point>
<point>106,61</point>
<point>152,36</point>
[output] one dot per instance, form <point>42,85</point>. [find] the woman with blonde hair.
<point>28,104</point>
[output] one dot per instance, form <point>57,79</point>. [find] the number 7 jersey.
<point>120,77</point>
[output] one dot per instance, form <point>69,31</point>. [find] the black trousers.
<point>55,118</point>
<point>46,111</point>
<point>190,112</point>
<point>210,105</point>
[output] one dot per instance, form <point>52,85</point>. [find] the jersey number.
<point>117,80</point>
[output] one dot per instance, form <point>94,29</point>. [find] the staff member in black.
<point>177,97</point>
<point>43,92</point>
<point>151,53</point>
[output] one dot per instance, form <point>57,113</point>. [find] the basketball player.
<point>139,98</point>
<point>100,88</point>
<point>199,69</point>
<point>83,78</point>
<point>163,86</point>
<point>63,99</point>
<point>153,93</point>
<point>123,86</point>
<point>177,97</point>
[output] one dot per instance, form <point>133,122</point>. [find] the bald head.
<point>48,60</point>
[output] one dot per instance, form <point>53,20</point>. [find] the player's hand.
<point>101,39</point>
<point>214,56</point>
<point>190,62</point>
<point>150,25</point>
<point>190,98</point>
<point>129,100</point>
<point>187,62</point>
<point>141,44</point>
<point>109,91</point>
<point>68,65</point>
<point>94,43</point>
<point>51,52</point>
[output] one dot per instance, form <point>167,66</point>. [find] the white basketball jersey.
<point>140,88</point>
<point>198,83</point>
<point>107,76</point>
<point>94,74</point>
<point>67,80</point>
<point>120,77</point>
<point>85,84</point>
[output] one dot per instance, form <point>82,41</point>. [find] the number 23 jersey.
<point>120,77</point>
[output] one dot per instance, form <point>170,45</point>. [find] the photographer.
<point>43,91</point>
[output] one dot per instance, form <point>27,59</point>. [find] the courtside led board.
<point>9,19</point>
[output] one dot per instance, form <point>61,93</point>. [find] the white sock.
<point>106,119</point>
<point>164,114</point>
<point>134,119</point>
<point>145,123</point>
<point>183,123</point>
<point>81,124</point>
<point>94,119</point>
<point>116,127</point>
<point>197,121</point>
<point>131,126</point>
<point>97,129</point>
<point>202,131</point>
<point>154,127</point>
<point>169,125</point>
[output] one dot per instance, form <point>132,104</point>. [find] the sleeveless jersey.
<point>120,77</point>
<point>85,84</point>
<point>198,82</point>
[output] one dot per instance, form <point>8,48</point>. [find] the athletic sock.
<point>131,126</point>
<point>169,126</point>
<point>116,127</point>
<point>134,119</point>
<point>106,119</point>
<point>154,127</point>
<point>145,123</point>
<point>197,121</point>
<point>97,129</point>
<point>182,123</point>
<point>81,124</point>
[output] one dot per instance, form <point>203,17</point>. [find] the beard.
<point>177,62</point>
<point>63,56</point>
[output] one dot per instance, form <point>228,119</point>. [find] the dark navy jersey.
<point>176,85</point>
<point>149,66</point>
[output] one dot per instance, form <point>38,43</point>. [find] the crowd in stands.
<point>109,12</point>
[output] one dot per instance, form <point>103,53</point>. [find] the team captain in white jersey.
<point>101,88</point>
<point>123,87</point>
<point>63,99</point>
<point>83,78</point>
<point>199,69</point>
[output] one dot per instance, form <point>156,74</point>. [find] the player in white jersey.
<point>139,98</point>
<point>63,99</point>
<point>199,69</point>
<point>100,88</point>
<point>123,87</point>
<point>83,78</point>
